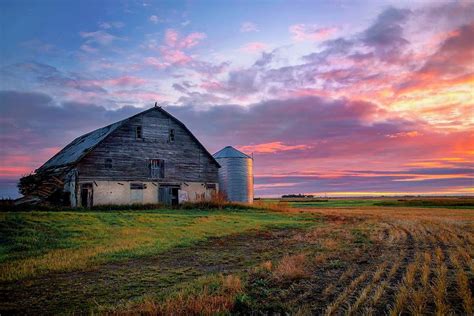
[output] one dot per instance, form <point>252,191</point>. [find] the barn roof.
<point>80,146</point>
<point>230,152</point>
<point>84,144</point>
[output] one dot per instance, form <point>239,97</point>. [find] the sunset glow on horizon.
<point>332,98</point>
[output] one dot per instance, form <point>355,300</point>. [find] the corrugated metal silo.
<point>235,174</point>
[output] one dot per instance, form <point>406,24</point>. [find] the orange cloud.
<point>272,147</point>
<point>404,134</point>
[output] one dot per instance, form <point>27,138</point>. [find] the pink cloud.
<point>173,52</point>
<point>171,37</point>
<point>306,32</point>
<point>122,81</point>
<point>192,40</point>
<point>272,147</point>
<point>155,62</point>
<point>174,40</point>
<point>212,86</point>
<point>175,56</point>
<point>253,47</point>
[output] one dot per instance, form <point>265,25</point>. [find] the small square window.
<point>138,132</point>
<point>171,136</point>
<point>108,163</point>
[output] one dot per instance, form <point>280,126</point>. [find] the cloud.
<point>98,37</point>
<point>455,55</point>
<point>404,134</point>
<point>155,63</point>
<point>111,24</point>
<point>192,40</point>
<point>305,32</point>
<point>396,93</point>
<point>88,48</point>
<point>154,19</point>
<point>175,56</point>
<point>246,27</point>
<point>254,47</point>
<point>175,40</point>
<point>49,76</point>
<point>122,81</point>
<point>387,30</point>
<point>174,50</point>
<point>272,147</point>
<point>312,142</point>
<point>316,144</point>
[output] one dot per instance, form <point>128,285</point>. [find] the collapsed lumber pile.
<point>43,186</point>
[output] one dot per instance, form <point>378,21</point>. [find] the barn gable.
<point>82,145</point>
<point>123,155</point>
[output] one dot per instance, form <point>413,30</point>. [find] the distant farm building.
<point>150,157</point>
<point>235,174</point>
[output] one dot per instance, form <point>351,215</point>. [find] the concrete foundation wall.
<point>120,192</point>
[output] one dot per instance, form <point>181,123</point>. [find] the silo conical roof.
<point>230,152</point>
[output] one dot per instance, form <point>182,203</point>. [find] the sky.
<point>336,98</point>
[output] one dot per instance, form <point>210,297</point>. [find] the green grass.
<point>34,243</point>
<point>464,203</point>
<point>336,203</point>
<point>452,203</point>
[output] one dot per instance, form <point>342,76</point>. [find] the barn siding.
<point>185,159</point>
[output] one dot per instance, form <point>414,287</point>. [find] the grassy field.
<point>449,202</point>
<point>34,243</point>
<point>334,260</point>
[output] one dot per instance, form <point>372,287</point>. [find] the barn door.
<point>87,195</point>
<point>164,195</point>
<point>168,195</point>
<point>136,193</point>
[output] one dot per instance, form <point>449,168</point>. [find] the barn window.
<point>108,163</point>
<point>137,186</point>
<point>171,136</point>
<point>157,168</point>
<point>211,186</point>
<point>138,132</point>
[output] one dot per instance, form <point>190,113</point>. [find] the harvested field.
<point>386,260</point>
<point>409,261</point>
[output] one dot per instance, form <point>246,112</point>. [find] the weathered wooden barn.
<point>150,157</point>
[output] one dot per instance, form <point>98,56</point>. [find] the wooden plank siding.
<point>185,159</point>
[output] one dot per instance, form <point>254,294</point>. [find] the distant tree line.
<point>286,196</point>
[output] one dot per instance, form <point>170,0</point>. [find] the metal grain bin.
<point>235,174</point>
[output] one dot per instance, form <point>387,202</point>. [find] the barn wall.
<point>197,190</point>
<point>119,192</point>
<point>185,160</point>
